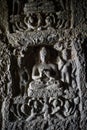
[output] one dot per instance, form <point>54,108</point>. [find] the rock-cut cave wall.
<point>43,64</point>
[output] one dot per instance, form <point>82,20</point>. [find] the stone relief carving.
<point>44,87</point>
<point>49,90</point>
<point>44,74</point>
<point>37,18</point>
<point>30,23</point>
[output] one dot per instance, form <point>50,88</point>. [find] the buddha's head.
<point>43,54</point>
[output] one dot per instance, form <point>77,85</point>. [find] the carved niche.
<point>45,85</point>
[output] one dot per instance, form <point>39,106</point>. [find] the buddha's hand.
<point>41,74</point>
<point>47,73</point>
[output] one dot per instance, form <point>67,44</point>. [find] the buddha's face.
<point>43,54</point>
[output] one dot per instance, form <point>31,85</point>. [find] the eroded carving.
<point>44,74</point>
<point>42,86</point>
<point>36,18</point>
<point>51,91</point>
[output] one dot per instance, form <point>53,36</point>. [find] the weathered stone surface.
<point>43,64</point>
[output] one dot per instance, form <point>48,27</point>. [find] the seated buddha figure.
<point>44,74</point>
